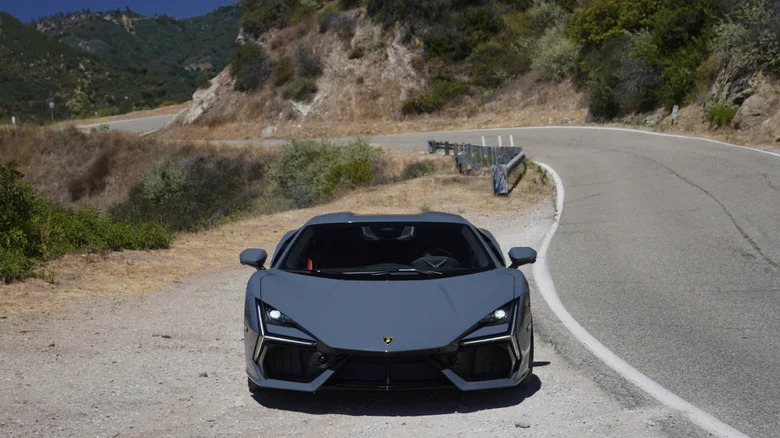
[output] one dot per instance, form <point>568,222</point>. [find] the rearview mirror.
<point>521,255</point>
<point>253,257</point>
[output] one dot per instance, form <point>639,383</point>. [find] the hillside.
<point>179,49</point>
<point>35,70</point>
<point>351,67</point>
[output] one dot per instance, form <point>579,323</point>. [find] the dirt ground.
<point>171,363</point>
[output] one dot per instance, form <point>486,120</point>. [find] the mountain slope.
<point>179,49</point>
<point>35,70</point>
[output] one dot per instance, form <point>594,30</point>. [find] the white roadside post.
<point>674,113</point>
<point>13,120</point>
<point>499,141</point>
<point>483,140</point>
<point>511,140</point>
<point>51,110</point>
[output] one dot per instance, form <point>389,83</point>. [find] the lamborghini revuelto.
<point>388,302</point>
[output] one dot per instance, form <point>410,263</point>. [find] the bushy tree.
<point>748,38</point>
<point>555,56</point>
<point>249,67</point>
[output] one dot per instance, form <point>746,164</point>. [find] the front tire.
<point>254,388</point>
<point>530,375</point>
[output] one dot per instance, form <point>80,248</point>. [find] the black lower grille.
<point>483,362</point>
<point>388,372</point>
<point>285,362</point>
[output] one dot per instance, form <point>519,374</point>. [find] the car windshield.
<point>382,251</point>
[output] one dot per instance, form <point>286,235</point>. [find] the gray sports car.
<point>388,302</point>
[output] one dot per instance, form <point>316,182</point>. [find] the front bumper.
<point>280,363</point>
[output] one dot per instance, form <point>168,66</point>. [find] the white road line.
<point>606,128</point>
<point>543,280</point>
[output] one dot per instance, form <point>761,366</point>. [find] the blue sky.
<point>26,10</point>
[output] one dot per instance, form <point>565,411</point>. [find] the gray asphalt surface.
<point>668,252</point>
<point>143,125</point>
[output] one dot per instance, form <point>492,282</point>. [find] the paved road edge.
<point>541,274</point>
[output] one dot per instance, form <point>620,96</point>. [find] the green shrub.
<point>33,229</point>
<point>262,15</point>
<point>418,169</point>
<point>473,26</point>
<point>300,90</point>
<point>348,4</point>
<point>112,111</point>
<point>339,22</point>
<point>307,63</point>
<point>545,14</point>
<point>357,52</point>
<point>193,194</point>
<point>556,56</point>
<point>307,172</point>
<point>441,91</point>
<point>493,63</point>
<point>602,104</point>
<point>746,41</point>
<point>283,71</point>
<point>203,81</point>
<point>249,67</point>
<point>719,115</point>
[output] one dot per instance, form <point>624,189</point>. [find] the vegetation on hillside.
<point>627,55</point>
<point>108,63</point>
<point>107,191</point>
<point>177,50</point>
<point>33,229</point>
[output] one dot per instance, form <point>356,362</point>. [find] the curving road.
<point>668,252</point>
<point>142,126</point>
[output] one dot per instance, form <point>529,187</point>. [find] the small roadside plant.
<point>307,172</point>
<point>719,115</point>
<point>356,53</point>
<point>283,71</point>
<point>442,90</point>
<point>300,90</point>
<point>307,63</point>
<point>418,169</point>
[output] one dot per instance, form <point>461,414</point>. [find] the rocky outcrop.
<point>219,99</point>
<point>753,111</point>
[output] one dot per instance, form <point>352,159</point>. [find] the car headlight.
<point>273,316</point>
<point>502,315</point>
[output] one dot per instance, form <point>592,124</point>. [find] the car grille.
<point>483,362</point>
<point>294,363</point>
<point>388,372</point>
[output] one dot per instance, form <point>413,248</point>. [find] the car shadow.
<point>396,403</point>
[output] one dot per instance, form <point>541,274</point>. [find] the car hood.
<point>357,314</point>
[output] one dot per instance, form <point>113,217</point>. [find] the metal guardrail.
<point>470,158</point>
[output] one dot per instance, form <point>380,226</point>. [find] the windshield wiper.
<point>393,271</point>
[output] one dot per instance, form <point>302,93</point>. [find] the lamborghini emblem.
<point>388,339</point>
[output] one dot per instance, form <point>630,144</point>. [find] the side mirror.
<point>521,255</point>
<point>253,257</point>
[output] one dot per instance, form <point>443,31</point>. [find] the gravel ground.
<point>171,363</point>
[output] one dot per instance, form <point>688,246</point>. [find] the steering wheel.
<point>437,258</point>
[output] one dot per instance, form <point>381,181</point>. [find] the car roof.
<point>347,217</point>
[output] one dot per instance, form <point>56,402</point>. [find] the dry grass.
<point>523,103</point>
<point>108,163</point>
<point>77,278</point>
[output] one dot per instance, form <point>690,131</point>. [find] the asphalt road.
<point>668,252</point>
<point>145,125</point>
